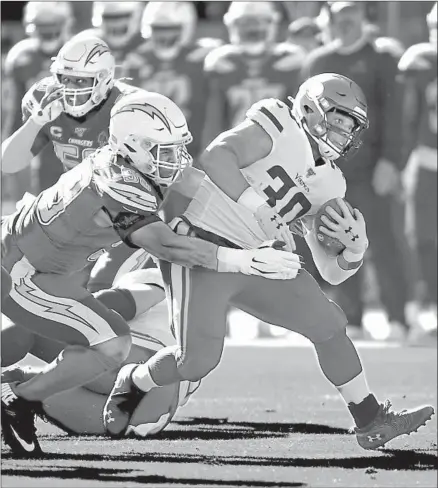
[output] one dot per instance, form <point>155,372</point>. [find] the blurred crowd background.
<point>215,89</point>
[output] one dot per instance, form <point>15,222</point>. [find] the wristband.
<point>251,199</point>
<point>349,261</point>
<point>228,260</point>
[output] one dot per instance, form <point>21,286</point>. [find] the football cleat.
<point>389,424</point>
<point>18,423</point>
<point>122,402</point>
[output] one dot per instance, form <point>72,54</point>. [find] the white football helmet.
<point>252,25</point>
<point>85,57</point>
<point>119,21</point>
<point>168,26</point>
<point>151,132</point>
<point>325,93</point>
<point>49,22</point>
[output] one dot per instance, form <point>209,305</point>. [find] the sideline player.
<point>418,66</point>
<point>171,62</point>
<point>251,67</point>
<point>79,410</point>
<point>48,26</point>
<point>114,194</point>
<point>276,167</point>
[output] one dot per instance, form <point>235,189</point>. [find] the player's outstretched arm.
<point>268,261</point>
<point>19,149</point>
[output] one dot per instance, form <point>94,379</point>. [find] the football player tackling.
<point>273,170</point>
<point>114,194</point>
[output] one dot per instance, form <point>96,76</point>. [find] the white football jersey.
<point>287,178</point>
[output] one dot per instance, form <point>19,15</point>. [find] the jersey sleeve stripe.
<point>272,118</point>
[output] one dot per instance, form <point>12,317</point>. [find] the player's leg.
<point>118,261</point>
<point>56,307</point>
<point>199,303</point>
<point>134,293</point>
<point>16,342</point>
<point>300,306</point>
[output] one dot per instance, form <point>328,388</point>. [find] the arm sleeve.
<point>327,266</point>
<point>125,223</point>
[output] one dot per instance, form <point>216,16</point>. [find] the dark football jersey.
<point>73,138</point>
<point>420,63</point>
<point>57,232</point>
<point>180,79</point>
<point>244,80</point>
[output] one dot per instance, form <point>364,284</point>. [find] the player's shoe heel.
<point>390,424</point>
<point>121,403</point>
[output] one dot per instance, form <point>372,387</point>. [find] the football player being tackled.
<point>274,169</point>
<point>113,194</point>
<point>79,410</point>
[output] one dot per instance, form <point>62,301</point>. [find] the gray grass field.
<point>267,418</point>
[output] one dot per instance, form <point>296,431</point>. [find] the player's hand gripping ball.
<point>332,245</point>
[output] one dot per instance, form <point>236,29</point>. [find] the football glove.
<point>268,260</point>
<point>274,226</point>
<point>349,229</point>
<point>50,107</point>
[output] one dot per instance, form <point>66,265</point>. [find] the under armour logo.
<point>109,417</point>
<point>353,237</point>
<point>376,437</point>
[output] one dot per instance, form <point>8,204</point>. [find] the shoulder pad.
<point>417,58</point>
<point>122,183</point>
<point>201,48</point>
<point>218,60</point>
<point>272,115</point>
<point>124,88</point>
<point>20,54</point>
<point>290,60</point>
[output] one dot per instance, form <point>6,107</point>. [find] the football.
<point>332,246</point>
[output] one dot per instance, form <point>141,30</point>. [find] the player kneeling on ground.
<point>79,410</point>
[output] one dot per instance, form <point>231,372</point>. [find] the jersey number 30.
<point>295,207</point>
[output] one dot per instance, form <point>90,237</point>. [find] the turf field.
<point>266,418</point>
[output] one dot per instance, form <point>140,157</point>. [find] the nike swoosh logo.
<point>27,446</point>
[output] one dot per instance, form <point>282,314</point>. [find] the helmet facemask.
<point>80,101</point>
<point>317,125</point>
<point>117,29</point>
<point>162,163</point>
<point>252,34</point>
<point>166,40</point>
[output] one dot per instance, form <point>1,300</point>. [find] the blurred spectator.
<point>118,24</point>
<point>373,174</point>
<point>418,67</point>
<point>304,32</point>
<point>48,26</point>
<point>252,67</point>
<point>170,61</point>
